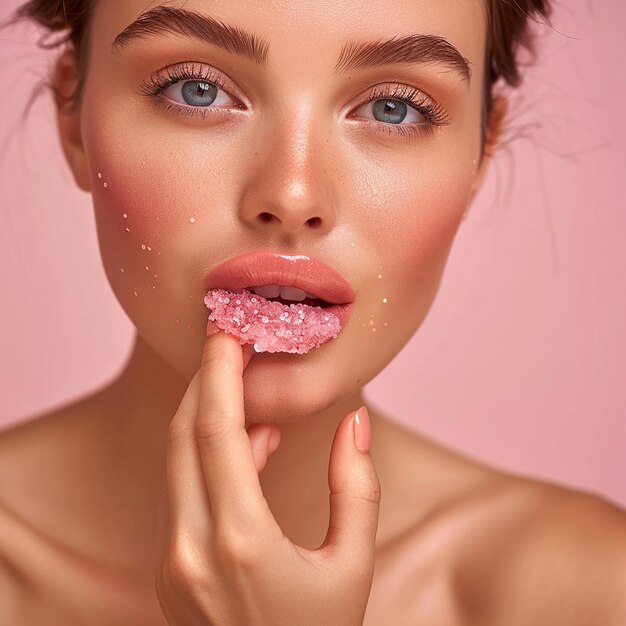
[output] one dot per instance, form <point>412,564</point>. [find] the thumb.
<point>354,492</point>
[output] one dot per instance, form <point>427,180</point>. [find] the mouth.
<point>289,295</point>
<point>279,302</point>
<point>275,325</point>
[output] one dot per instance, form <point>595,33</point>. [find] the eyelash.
<point>434,114</point>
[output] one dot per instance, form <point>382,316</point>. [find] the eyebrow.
<point>408,49</point>
<point>171,21</point>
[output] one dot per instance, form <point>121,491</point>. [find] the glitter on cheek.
<point>192,220</point>
<point>385,300</point>
<point>100,175</point>
<point>106,185</point>
<point>125,216</point>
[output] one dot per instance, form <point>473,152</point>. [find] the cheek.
<point>152,228</point>
<point>413,214</point>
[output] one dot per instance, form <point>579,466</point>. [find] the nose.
<point>289,192</point>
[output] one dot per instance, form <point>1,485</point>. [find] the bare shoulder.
<point>30,449</point>
<point>38,458</point>
<point>536,553</point>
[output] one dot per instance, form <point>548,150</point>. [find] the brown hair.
<point>508,31</point>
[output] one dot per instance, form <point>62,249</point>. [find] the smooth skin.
<point>87,530</point>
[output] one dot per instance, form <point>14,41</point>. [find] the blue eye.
<point>193,86</point>
<point>393,111</point>
<point>197,93</point>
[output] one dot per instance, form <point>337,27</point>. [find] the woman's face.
<point>186,178</point>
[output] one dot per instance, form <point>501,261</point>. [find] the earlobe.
<point>64,84</point>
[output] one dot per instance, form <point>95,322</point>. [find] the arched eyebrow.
<point>407,49</point>
<point>172,21</point>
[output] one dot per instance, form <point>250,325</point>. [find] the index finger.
<point>227,460</point>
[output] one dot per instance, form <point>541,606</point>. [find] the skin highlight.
<point>382,209</point>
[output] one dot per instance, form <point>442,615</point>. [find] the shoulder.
<point>38,459</point>
<point>544,554</point>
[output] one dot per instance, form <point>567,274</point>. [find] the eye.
<point>392,111</point>
<point>197,93</point>
<point>189,89</point>
<point>402,110</point>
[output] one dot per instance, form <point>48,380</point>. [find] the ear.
<point>64,82</point>
<point>495,128</point>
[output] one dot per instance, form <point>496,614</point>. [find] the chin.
<point>288,388</point>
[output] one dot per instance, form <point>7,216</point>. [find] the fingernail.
<point>362,430</point>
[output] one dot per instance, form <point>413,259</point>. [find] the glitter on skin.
<point>135,293</point>
<point>106,185</point>
<point>143,246</point>
<point>127,230</point>
<point>125,216</point>
<point>192,220</point>
<point>100,175</point>
<point>304,328</point>
<point>385,300</point>
<point>380,276</point>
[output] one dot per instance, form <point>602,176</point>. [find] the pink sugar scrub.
<point>270,325</point>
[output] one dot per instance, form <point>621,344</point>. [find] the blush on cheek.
<point>131,228</point>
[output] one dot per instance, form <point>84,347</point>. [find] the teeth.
<point>267,291</point>
<point>286,293</point>
<point>292,293</point>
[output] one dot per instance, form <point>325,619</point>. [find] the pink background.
<point>521,361</point>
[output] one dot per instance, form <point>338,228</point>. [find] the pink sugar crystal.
<point>271,325</point>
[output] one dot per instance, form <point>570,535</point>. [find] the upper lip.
<point>278,268</point>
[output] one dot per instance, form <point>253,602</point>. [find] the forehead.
<point>310,31</point>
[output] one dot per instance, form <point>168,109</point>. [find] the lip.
<point>266,267</point>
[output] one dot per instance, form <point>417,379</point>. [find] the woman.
<point>309,146</point>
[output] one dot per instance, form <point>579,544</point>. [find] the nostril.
<point>265,217</point>
<point>314,221</point>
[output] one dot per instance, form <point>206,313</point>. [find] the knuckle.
<point>212,431</point>
<point>182,569</point>
<point>368,488</point>
<point>238,549</point>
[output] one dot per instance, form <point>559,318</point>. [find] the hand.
<point>227,561</point>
